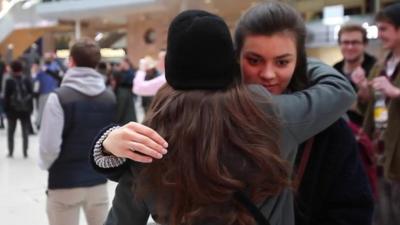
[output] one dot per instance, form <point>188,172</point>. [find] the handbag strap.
<point>303,161</point>
<point>253,209</point>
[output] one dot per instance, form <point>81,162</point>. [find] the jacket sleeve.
<point>51,129</point>
<point>147,87</point>
<point>126,209</point>
<point>349,187</point>
<point>307,112</point>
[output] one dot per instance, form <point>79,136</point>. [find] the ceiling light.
<point>99,36</point>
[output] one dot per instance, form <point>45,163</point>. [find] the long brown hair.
<point>219,143</point>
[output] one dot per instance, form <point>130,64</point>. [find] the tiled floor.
<point>23,184</point>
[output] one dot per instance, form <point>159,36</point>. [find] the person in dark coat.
<point>123,78</point>
<point>334,188</point>
<point>18,105</point>
<point>2,72</point>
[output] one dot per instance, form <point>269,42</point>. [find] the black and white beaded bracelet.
<point>102,160</point>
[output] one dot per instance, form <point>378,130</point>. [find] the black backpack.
<point>20,100</point>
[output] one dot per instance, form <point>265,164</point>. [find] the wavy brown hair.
<point>219,143</point>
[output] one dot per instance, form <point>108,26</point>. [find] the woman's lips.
<point>270,85</point>
<point>273,88</point>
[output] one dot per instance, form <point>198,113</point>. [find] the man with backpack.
<point>18,105</point>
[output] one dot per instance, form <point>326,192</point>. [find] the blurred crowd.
<point>26,86</point>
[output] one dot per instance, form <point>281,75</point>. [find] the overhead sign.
<point>333,15</point>
<point>105,53</point>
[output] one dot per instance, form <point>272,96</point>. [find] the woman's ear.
<point>71,62</point>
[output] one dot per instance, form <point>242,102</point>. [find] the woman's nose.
<point>268,73</point>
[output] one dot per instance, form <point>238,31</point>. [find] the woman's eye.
<point>282,62</point>
<point>253,61</point>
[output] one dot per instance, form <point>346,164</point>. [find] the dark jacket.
<point>367,64</point>
<point>125,105</point>
<point>25,86</point>
<point>83,117</point>
<point>2,70</point>
<point>47,82</point>
<point>335,187</point>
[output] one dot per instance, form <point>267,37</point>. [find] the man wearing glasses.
<point>352,42</point>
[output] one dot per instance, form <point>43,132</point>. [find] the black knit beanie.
<point>200,52</point>
<point>392,12</point>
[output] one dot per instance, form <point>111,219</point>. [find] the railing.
<point>55,0</point>
<point>319,34</point>
<point>21,14</point>
<point>85,9</point>
<point>7,18</point>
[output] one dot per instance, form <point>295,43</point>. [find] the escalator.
<point>20,26</point>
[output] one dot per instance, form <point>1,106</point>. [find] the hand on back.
<point>136,142</point>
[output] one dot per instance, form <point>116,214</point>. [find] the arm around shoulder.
<point>307,112</point>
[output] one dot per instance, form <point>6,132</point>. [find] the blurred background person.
<point>46,81</point>
<point>144,87</point>
<point>73,114</point>
<point>52,67</point>
<point>18,105</point>
<point>353,41</point>
<point>104,69</point>
<point>2,71</point>
<point>381,91</point>
<point>123,79</point>
<point>149,78</point>
<point>26,72</point>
